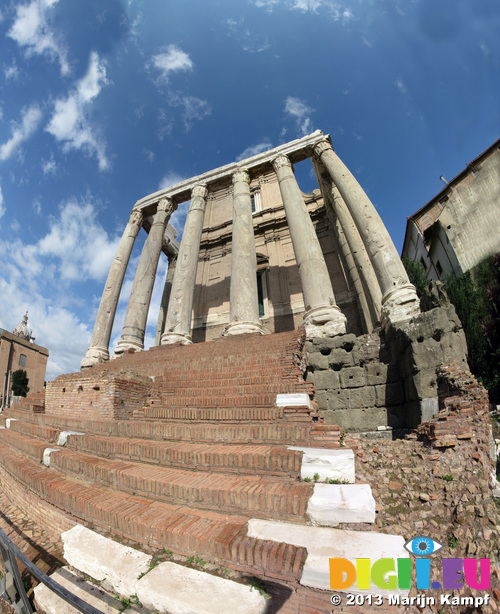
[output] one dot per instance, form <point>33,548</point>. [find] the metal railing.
<point>12,586</point>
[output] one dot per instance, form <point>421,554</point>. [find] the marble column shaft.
<point>335,204</point>
<point>165,298</point>
<point>244,302</point>
<point>179,314</point>
<point>140,297</point>
<point>99,346</point>
<point>397,292</point>
<point>319,299</point>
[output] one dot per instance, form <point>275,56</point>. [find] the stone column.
<point>99,346</point>
<point>244,302</point>
<point>167,289</point>
<point>137,310</point>
<point>179,314</point>
<point>322,317</point>
<point>367,286</point>
<point>399,298</point>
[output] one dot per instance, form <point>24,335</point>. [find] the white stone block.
<point>9,421</point>
<point>293,400</point>
<point>63,437</point>
<point>47,602</point>
<point>181,590</point>
<point>106,561</point>
<point>324,543</point>
<point>332,504</point>
<point>46,455</point>
<point>328,464</point>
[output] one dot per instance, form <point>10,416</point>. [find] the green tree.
<point>476,297</point>
<point>416,274</point>
<point>20,383</point>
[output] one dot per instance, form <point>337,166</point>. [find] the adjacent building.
<point>459,227</point>
<point>17,351</point>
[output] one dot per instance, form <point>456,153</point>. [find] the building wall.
<point>282,294</point>
<point>458,229</point>
<point>11,349</point>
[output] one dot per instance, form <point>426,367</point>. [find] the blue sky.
<point>105,101</point>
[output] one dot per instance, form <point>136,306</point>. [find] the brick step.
<point>311,434</point>
<point>225,388</point>
<point>217,537</point>
<point>24,445</point>
<point>255,496</point>
<point>47,434</point>
<point>247,459</point>
<point>237,379</point>
<point>255,401</point>
<point>159,408</point>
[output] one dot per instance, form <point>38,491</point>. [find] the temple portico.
<point>258,255</point>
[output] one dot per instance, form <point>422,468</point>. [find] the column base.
<point>325,321</point>
<point>94,356</point>
<point>241,328</point>
<point>125,344</point>
<point>399,304</point>
<point>170,338</point>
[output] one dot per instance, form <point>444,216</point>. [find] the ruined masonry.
<point>236,455</point>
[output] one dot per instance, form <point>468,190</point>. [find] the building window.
<point>22,360</point>
<point>439,268</point>
<point>260,293</point>
<point>256,202</point>
<point>423,263</point>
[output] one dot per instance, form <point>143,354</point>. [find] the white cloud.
<point>49,167</point>
<point>401,85</point>
<point>250,41</point>
<point>15,226</point>
<point>253,150</point>
<point>2,208</point>
<point>150,155</point>
<point>11,72</point>
<point>307,5</point>
<point>31,29</point>
<point>169,179</point>
<point>194,109</point>
<point>77,244</point>
<point>37,207</point>
<point>31,117</point>
<point>336,11</point>
<point>173,60</point>
<point>300,112</point>
<point>69,123</point>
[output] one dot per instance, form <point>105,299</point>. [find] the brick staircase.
<point>178,448</point>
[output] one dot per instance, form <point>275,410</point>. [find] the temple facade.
<point>259,256</point>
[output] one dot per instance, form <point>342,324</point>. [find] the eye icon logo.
<point>423,546</point>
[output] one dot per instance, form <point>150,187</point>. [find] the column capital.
<point>166,204</point>
<point>241,175</point>
<point>199,190</point>
<point>321,147</point>
<point>281,161</point>
<point>136,218</point>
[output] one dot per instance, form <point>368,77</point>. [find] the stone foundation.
<point>387,379</point>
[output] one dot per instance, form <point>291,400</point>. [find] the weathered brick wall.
<point>96,395</point>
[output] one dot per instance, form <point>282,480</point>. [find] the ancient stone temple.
<point>258,255</point>
<point>263,434</point>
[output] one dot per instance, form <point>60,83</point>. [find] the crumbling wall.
<point>105,396</point>
<point>387,379</point>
